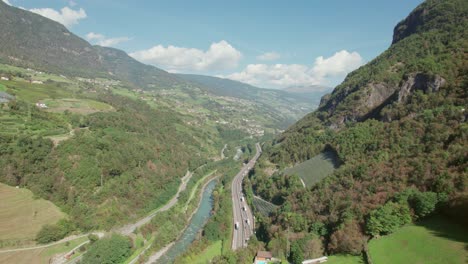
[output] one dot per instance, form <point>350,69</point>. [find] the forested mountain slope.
<point>398,126</point>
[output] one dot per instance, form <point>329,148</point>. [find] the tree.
<point>347,239</point>
<point>109,250</point>
<point>296,255</point>
<point>385,219</point>
<point>423,203</point>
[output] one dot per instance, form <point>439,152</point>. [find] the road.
<point>243,220</point>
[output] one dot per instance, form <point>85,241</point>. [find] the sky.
<point>267,43</point>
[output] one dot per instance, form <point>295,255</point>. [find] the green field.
<point>22,216</point>
<point>35,92</point>
<point>435,240</point>
<point>314,169</point>
<point>80,106</point>
<point>345,259</point>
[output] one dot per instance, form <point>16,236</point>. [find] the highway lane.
<point>243,220</point>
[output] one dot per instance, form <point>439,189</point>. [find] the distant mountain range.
<point>31,40</point>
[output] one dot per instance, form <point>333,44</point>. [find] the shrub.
<point>109,250</point>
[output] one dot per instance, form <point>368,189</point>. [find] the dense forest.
<point>398,126</point>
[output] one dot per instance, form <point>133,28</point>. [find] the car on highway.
<point>236,225</point>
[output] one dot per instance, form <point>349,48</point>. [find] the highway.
<point>243,220</point>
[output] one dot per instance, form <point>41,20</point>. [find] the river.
<point>197,222</point>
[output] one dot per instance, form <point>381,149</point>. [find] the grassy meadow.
<point>435,240</point>
<point>79,106</point>
<point>345,259</point>
<point>22,216</point>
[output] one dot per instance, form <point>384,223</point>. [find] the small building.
<point>5,78</point>
<point>37,82</point>
<point>263,257</point>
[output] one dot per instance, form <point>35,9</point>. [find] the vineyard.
<point>262,206</point>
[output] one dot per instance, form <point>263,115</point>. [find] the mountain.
<point>31,40</point>
<point>397,126</point>
<point>425,54</point>
<point>292,102</point>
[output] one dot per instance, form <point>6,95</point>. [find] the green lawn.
<point>435,240</point>
<point>345,259</point>
<point>314,169</point>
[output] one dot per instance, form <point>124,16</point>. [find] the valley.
<point>107,158</point>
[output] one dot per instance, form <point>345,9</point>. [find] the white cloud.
<point>340,63</point>
<point>269,56</point>
<point>72,3</point>
<point>7,2</point>
<point>94,36</point>
<point>323,72</point>
<point>219,56</point>
<point>101,40</point>
<point>66,16</point>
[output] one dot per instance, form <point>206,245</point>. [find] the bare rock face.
<point>376,96</point>
<point>420,81</point>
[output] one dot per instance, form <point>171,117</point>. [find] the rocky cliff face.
<point>372,98</point>
<point>423,57</point>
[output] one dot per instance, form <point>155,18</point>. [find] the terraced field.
<point>10,125</point>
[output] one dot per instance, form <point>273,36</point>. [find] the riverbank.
<point>196,222</point>
<point>170,222</point>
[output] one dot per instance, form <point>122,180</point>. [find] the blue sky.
<point>266,43</point>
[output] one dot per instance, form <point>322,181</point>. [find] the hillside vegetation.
<point>116,165</point>
<point>398,125</point>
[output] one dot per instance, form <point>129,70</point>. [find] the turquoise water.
<point>196,224</point>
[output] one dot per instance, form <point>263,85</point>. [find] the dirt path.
<point>128,229</point>
<point>70,238</point>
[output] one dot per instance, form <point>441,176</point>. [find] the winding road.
<point>243,219</point>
